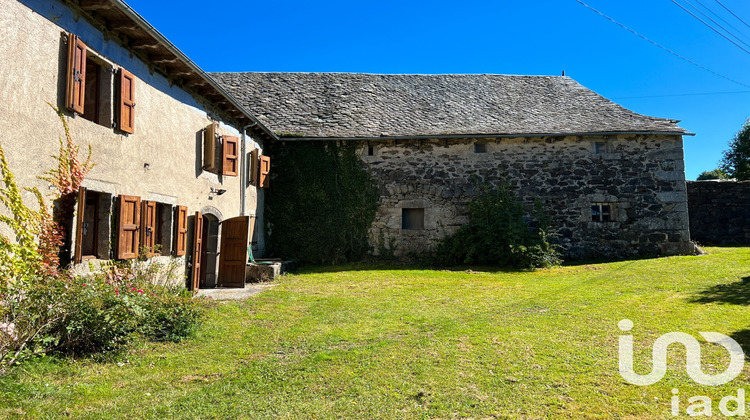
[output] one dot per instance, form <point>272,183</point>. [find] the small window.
<point>600,148</point>
<point>412,219</point>
<point>601,212</point>
<point>480,147</point>
<point>370,150</point>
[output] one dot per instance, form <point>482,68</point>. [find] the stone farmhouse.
<point>178,159</point>
<point>180,169</point>
<point>612,180</point>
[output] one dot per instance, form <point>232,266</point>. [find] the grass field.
<point>380,342</point>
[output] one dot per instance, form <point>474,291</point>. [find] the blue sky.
<point>501,37</point>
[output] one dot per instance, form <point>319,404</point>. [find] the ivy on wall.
<point>321,203</point>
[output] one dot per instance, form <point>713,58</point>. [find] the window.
<point>156,221</point>
<point>88,90</point>
<point>480,147</point>
<point>92,225</point>
<point>600,148</point>
<point>370,150</point>
<point>412,219</point>
<point>602,212</point>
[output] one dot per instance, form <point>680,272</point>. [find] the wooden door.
<point>195,270</point>
<point>233,255</point>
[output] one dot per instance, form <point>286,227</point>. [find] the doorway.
<point>209,251</point>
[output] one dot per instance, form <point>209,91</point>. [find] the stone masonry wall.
<point>719,212</point>
<point>641,177</point>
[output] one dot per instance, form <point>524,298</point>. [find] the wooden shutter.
<point>180,230</point>
<point>126,114</point>
<point>265,169</point>
<point>233,255</point>
<point>148,226</point>
<point>128,225</point>
<point>78,252</point>
<point>230,162</point>
<point>75,89</point>
<point>195,270</point>
<point>252,168</point>
<point>209,147</point>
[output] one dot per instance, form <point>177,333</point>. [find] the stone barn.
<point>612,180</point>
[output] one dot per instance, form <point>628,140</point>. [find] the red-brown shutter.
<point>126,115</point>
<point>252,168</point>
<point>209,147</point>
<point>148,226</point>
<point>129,220</point>
<point>180,230</point>
<point>233,256</point>
<point>265,169</point>
<point>75,90</point>
<point>231,153</point>
<point>78,252</point>
<point>195,271</point>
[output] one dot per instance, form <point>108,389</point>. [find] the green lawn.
<point>378,342</point>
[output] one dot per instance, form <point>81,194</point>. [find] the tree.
<point>715,174</point>
<point>736,162</point>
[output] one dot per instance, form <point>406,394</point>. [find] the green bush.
<point>498,235</point>
<point>104,312</point>
<point>171,318</point>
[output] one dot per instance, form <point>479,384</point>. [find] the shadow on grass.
<point>398,266</point>
<point>742,337</point>
<point>737,293</point>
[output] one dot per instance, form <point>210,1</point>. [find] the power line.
<point>711,27</point>
<point>722,19</point>
<point>715,22</point>
<point>681,94</point>
<point>732,13</point>
<point>662,47</point>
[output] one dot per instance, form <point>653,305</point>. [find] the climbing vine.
<point>321,204</point>
<point>66,178</point>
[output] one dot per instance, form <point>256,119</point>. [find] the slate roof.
<point>352,105</point>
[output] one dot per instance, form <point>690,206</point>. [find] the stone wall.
<point>719,212</point>
<point>641,177</point>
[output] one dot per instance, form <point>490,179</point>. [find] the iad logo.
<point>699,405</point>
<point>693,353</point>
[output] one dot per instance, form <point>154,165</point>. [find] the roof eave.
<point>250,121</point>
<point>484,136</point>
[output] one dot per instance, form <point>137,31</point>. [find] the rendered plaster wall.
<point>161,161</point>
<point>642,176</point>
<point>719,212</point>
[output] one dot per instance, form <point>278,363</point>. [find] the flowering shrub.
<point>106,310</point>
